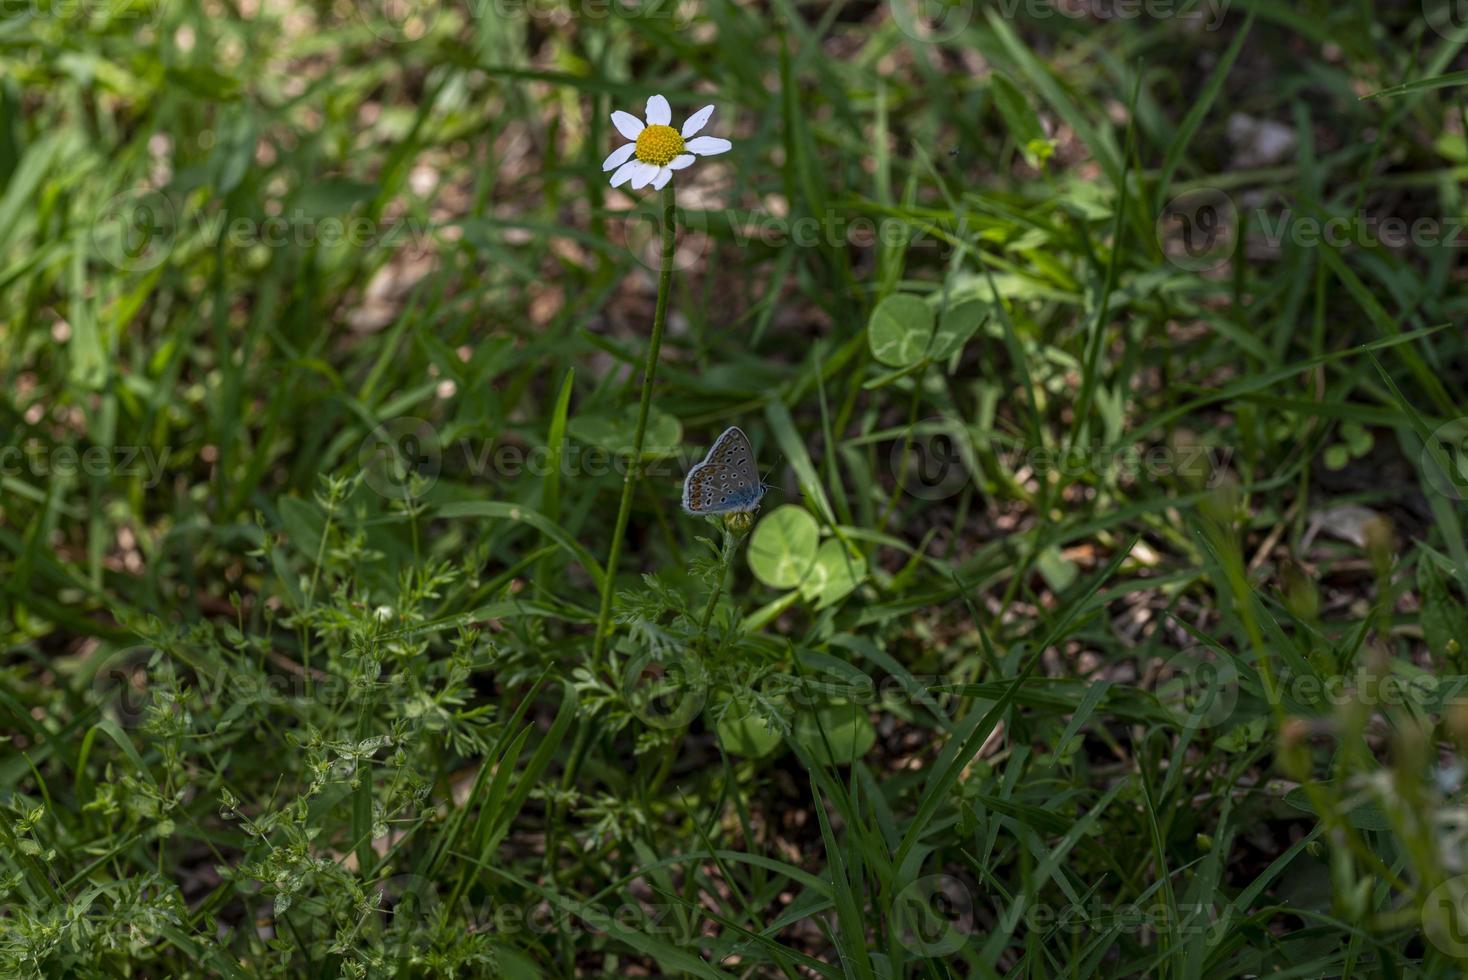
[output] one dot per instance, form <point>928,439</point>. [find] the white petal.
<point>627,124</point>
<point>643,175</point>
<point>695,122</point>
<point>659,113</point>
<point>624,172</point>
<point>707,146</point>
<point>619,156</point>
<point>661,180</point>
<point>679,162</point>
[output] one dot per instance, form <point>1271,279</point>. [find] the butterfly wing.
<point>727,480</point>
<point>702,480</point>
<point>698,487</point>
<point>741,489</point>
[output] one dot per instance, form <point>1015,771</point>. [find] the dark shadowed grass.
<point>1109,618</point>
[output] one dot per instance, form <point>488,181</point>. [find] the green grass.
<point>1109,618</point>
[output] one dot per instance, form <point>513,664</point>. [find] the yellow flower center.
<point>659,145</point>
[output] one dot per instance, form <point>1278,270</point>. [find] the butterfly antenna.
<point>771,486</point>
<point>771,470</point>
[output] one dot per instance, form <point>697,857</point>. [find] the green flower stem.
<point>725,560</point>
<point>634,465</point>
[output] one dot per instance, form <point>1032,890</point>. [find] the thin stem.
<point>634,465</point>
<point>725,560</point>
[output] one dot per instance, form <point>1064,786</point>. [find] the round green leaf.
<point>836,572</point>
<point>847,729</point>
<point>900,330</point>
<point>957,324</point>
<point>783,547</point>
<point>747,734</point>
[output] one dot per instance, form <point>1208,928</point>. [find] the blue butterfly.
<point>726,482</point>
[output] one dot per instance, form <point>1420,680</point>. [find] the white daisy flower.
<point>659,149</point>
